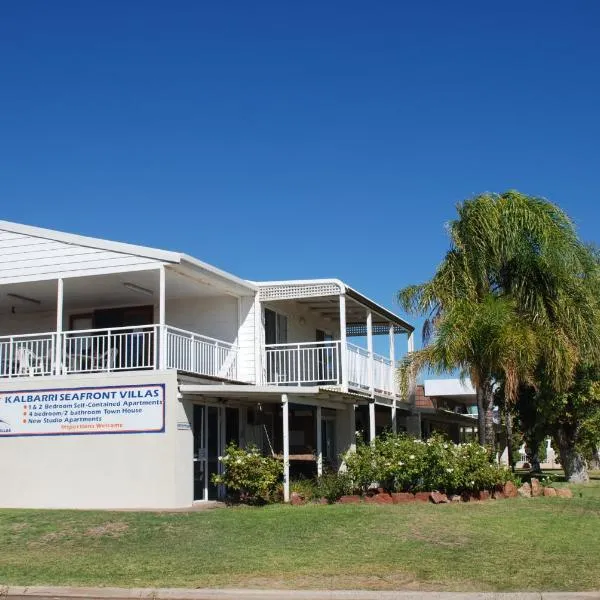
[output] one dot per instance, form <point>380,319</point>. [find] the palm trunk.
<point>485,414</point>
<point>480,416</point>
<point>595,462</point>
<point>571,460</point>
<point>509,437</point>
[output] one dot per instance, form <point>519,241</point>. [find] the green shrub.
<point>403,463</point>
<point>333,485</point>
<point>248,475</point>
<point>305,487</point>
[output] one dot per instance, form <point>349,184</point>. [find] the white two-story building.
<point>126,370</point>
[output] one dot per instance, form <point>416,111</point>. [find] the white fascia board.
<point>342,286</point>
<point>91,242</point>
<point>241,285</point>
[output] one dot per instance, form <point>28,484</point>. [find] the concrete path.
<point>75,593</point>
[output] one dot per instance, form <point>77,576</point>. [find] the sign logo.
<point>89,410</point>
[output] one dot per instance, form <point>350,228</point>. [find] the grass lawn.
<point>521,544</point>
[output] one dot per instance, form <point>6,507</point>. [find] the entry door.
<point>199,431</point>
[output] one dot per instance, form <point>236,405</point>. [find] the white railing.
<point>27,355</point>
<point>320,363</point>
<point>116,349</point>
<point>316,363</point>
<point>358,367</point>
<point>384,376</point>
<point>199,354</point>
<point>113,349</point>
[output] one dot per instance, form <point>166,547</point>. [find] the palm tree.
<point>524,250</point>
<point>486,341</point>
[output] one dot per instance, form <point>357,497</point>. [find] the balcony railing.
<point>301,364</point>
<point>116,349</point>
<point>320,363</point>
<point>195,353</point>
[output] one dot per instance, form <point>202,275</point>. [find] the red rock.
<point>549,491</point>
<point>402,497</point>
<point>323,501</point>
<point>296,499</point>
<point>370,499</point>
<point>383,499</point>
<point>564,493</point>
<point>499,495</point>
<point>349,500</point>
<point>422,497</point>
<point>525,490</point>
<point>438,498</point>
<point>510,490</point>
<point>484,495</point>
<point>536,487</point>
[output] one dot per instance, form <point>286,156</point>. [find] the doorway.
<point>213,428</point>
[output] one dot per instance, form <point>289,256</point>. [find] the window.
<point>276,326</point>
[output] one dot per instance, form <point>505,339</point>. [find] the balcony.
<point>322,364</point>
<point>117,349</point>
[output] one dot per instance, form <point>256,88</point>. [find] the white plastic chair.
<point>105,361</point>
<point>28,363</point>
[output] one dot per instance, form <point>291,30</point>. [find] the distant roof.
<point>448,388</point>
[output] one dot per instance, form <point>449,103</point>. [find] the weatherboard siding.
<point>28,258</point>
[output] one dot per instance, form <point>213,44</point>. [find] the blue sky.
<point>280,140</point>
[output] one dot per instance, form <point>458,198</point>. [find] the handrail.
<point>178,330</point>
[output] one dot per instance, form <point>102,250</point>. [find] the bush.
<point>248,475</point>
<point>333,485</point>
<point>305,487</point>
<point>403,463</point>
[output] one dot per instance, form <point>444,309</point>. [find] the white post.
<point>162,354</point>
<point>412,382</point>
<point>411,341</point>
<point>371,421</point>
<point>319,442</point>
<point>59,325</point>
<point>352,426</point>
<point>343,343</point>
<point>286,448</point>
<point>393,386</point>
<point>370,350</point>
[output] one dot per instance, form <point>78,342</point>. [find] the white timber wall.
<point>215,317</point>
<point>138,470</point>
<point>303,323</point>
<point>247,338</point>
<point>27,257</point>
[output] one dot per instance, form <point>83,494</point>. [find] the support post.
<point>393,378</point>
<point>319,441</point>
<point>412,382</point>
<point>286,448</point>
<point>162,350</point>
<point>370,350</point>
<point>59,326</point>
<point>343,343</point>
<point>352,426</point>
<point>371,421</point>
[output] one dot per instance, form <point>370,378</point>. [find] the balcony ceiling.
<point>100,291</point>
<point>328,307</point>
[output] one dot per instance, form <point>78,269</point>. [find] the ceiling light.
<point>138,288</point>
<point>24,298</point>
